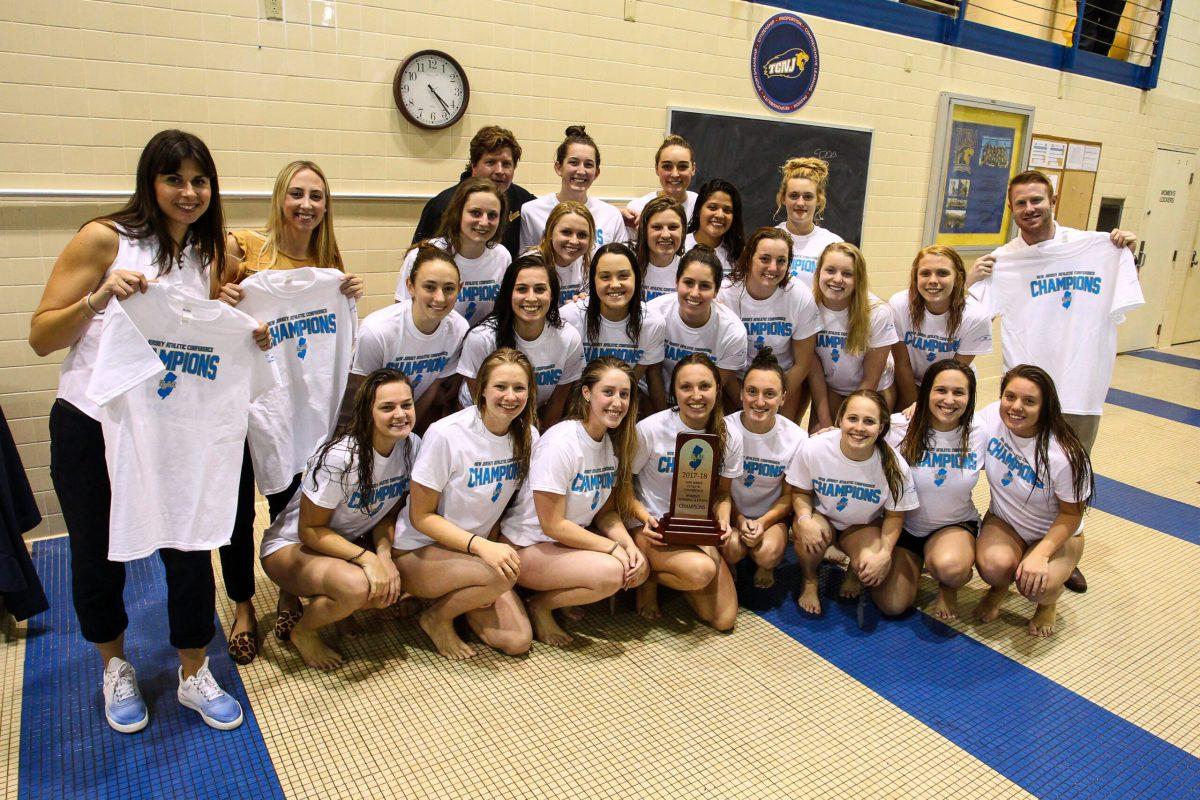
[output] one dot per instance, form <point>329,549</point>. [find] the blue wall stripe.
<point>1166,358</point>
<point>1047,739</point>
<point>1163,514</point>
<point>68,750</point>
<point>1152,405</point>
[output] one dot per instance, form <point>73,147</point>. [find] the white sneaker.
<point>202,694</point>
<point>123,705</point>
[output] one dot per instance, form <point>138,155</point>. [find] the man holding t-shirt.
<point>1031,201</point>
<point>494,153</point>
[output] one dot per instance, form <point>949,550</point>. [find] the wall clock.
<point>431,90</point>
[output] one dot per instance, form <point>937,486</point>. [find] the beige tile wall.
<point>84,83</point>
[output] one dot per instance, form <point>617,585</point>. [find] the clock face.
<point>431,89</point>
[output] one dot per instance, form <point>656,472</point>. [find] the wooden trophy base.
<point>689,530</point>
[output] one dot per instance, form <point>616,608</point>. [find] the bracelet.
<point>354,561</point>
<point>470,542</point>
<point>614,548</point>
<point>803,516</point>
<point>87,301</point>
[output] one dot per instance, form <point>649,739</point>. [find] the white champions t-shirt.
<point>722,338</point>
<point>612,339</point>
<point>610,225</point>
<point>765,458</point>
<point>944,477</point>
<point>312,326</point>
<point>480,280</point>
<point>556,356</point>
<point>654,463</point>
<point>1061,302</point>
<point>1026,501</point>
<point>789,314</point>
<point>933,343</point>
<point>843,371</point>
<point>569,462</point>
<point>806,250</point>
<point>847,492</point>
<point>174,378</point>
<point>390,338</point>
<point>721,250</point>
<point>474,470</point>
<point>657,281</point>
<point>335,486</point>
<point>571,281</point>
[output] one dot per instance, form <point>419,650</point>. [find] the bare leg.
<point>949,557</point>
<point>503,625</point>
<point>564,576</point>
<point>682,567</point>
<point>997,554</point>
<point>1061,564</point>
<point>810,599</point>
<point>898,589</point>
<point>768,554</point>
<point>716,603</point>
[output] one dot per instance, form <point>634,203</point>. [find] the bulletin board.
<point>1071,165</point>
<point>980,145</point>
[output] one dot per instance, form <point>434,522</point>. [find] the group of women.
<point>508,432</point>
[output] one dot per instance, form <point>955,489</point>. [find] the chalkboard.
<point>748,151</point>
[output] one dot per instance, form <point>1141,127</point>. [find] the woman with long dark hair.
<point>717,222</point>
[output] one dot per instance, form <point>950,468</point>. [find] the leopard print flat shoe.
<point>243,646</point>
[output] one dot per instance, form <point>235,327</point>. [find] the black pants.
<point>80,479</point>
<point>238,557</point>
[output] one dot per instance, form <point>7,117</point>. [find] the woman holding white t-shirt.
<point>694,322</point>
<point>577,163</point>
<point>567,518</point>
<point>470,465</point>
<point>330,545</point>
<point>471,231</point>
<point>935,320</point>
<point>856,336</point>
<point>612,320</point>
<point>659,246</point>
<point>675,165</point>
<point>777,311</point>
<point>944,446</point>
<point>851,489</point>
<point>802,194</point>
<point>420,336</point>
<point>717,222</point>
<point>762,500</point>
<point>527,318</point>
<point>567,244</point>
<point>699,572</point>
<point>1041,482</point>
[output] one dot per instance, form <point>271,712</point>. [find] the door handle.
<point>1194,260</point>
<point>1140,258</point>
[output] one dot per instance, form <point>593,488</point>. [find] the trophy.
<point>693,487</point>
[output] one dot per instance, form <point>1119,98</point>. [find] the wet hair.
<point>958,295</point>
<point>427,253</point>
<point>633,322</point>
<point>575,134</point>
<point>702,254</point>
<point>450,225</point>
<point>566,207</point>
<point>326,252</point>
<point>813,169</point>
<point>491,139</point>
<point>652,209</point>
<point>522,428</point>
<point>674,140</point>
<point>502,319</point>
<point>624,437</point>
<point>1030,176</point>
<point>858,338</point>
<point>734,238</point>
<point>887,456</point>
<point>1051,424</point>
<point>741,268</point>
<point>359,437</point>
<point>716,417</point>
<point>919,437</point>
<point>764,360</point>
<point>141,218</point>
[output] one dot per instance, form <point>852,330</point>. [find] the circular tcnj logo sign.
<point>784,62</point>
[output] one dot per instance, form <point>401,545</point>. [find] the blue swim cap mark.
<point>301,348</point>
<point>1007,479</point>
<point>1066,301</point>
<point>496,492</point>
<point>166,385</point>
<point>939,477</point>
<point>841,504</point>
<point>697,452</point>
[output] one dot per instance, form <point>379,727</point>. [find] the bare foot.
<point>810,599</point>
<point>1042,624</point>
<point>946,607</point>
<point>647,601</point>
<point>315,652</point>
<point>989,607</point>
<point>764,577</point>
<point>545,628</point>
<point>835,556</point>
<point>572,613</point>
<point>444,638</point>
<point>243,619</point>
<point>851,586</point>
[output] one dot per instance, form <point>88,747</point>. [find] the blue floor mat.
<point>68,750</point>
<point>1152,405</point>
<point>1166,358</point>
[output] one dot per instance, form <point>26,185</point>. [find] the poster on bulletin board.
<point>980,145</point>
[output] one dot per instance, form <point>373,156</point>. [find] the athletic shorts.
<point>916,544</point>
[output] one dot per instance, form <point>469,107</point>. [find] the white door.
<point>1164,236</point>
<point>1187,316</point>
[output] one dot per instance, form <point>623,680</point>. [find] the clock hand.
<point>439,98</point>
